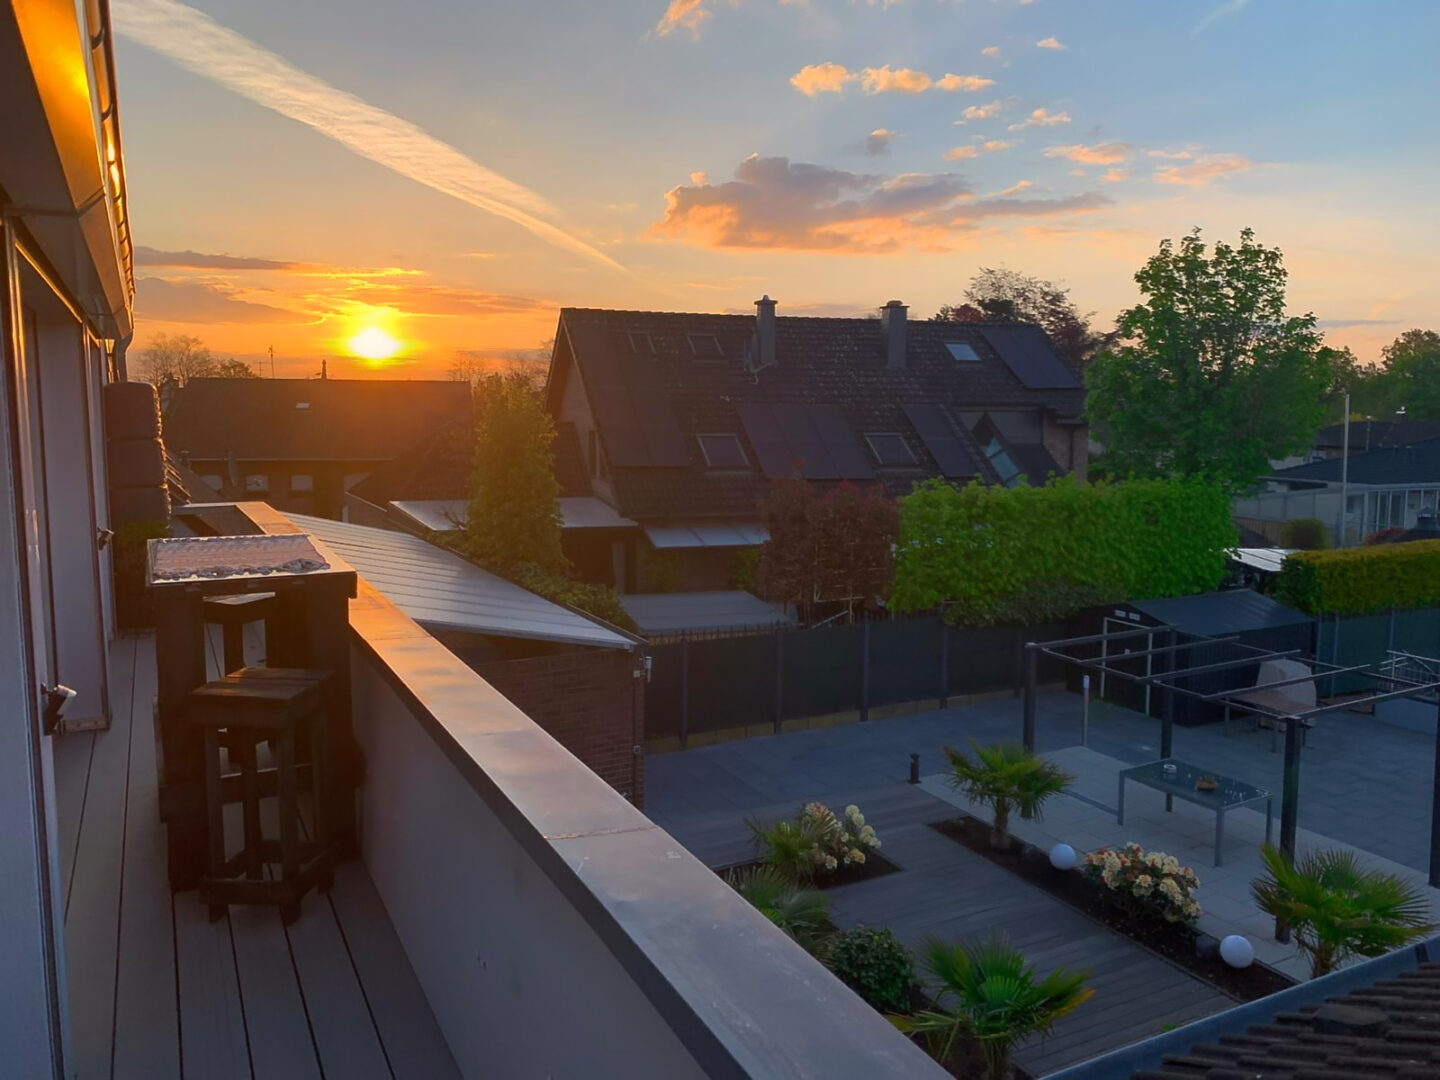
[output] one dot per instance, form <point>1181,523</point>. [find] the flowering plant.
<point>1148,883</point>
<point>839,841</point>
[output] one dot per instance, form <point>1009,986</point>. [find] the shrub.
<point>803,914</point>
<point>1150,885</point>
<point>1358,581</point>
<point>1003,555</point>
<point>1338,909</point>
<point>818,841</point>
<point>873,963</point>
<point>1006,776</point>
<point>1304,534</point>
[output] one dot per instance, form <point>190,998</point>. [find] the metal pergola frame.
<point>1169,676</point>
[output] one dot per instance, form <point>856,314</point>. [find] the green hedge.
<point>1358,581</point>
<point>1017,555</point>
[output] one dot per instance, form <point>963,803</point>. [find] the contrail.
<point>199,44</point>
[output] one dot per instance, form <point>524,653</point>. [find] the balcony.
<point>511,916</point>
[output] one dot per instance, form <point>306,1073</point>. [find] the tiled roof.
<point>308,419</point>
<point>1377,434</point>
<point>820,361</point>
<point>1387,1031</point>
<point>1415,463</point>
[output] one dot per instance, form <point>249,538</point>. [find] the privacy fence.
<point>701,685</point>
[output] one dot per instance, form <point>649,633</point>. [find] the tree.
<point>1339,909</point>
<point>1411,374</point>
<point>1212,378</point>
<point>176,358</point>
<point>1006,776</point>
<point>836,547</point>
<point>234,369</point>
<point>1009,296</point>
<point>988,993</point>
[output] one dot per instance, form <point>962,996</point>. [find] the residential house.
<point>497,883</point>
<point>1364,436</point>
<point>681,422</point>
<point>300,444</point>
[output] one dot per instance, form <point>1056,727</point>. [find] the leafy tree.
<point>1009,296</point>
<point>1211,378</point>
<point>1337,908</point>
<point>234,369</point>
<point>176,358</point>
<point>988,993</point>
<point>1411,374</point>
<point>1007,777</point>
<point>831,547</point>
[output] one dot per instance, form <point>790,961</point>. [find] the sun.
<point>372,343</point>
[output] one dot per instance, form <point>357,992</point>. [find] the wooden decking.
<point>156,990</point>
<point>952,893</point>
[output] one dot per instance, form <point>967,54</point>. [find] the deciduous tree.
<point>1411,374</point>
<point>175,358</point>
<point>1211,377</point>
<point>1002,295</point>
<point>234,369</point>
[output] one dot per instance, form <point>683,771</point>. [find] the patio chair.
<point>1295,698</point>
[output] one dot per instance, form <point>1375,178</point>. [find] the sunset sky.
<point>450,174</point>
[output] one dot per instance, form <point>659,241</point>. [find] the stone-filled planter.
<point>1182,945</point>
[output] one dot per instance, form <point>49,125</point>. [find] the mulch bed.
<point>874,866</point>
<point>1182,945</point>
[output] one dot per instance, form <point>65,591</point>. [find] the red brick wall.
<point>591,702</point>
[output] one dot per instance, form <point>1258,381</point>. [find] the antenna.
<point>272,361</point>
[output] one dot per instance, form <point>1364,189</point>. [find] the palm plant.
<point>1337,908</point>
<point>789,847</point>
<point>803,914</point>
<point>988,993</point>
<point>1006,776</point>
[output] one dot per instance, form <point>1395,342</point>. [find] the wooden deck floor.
<point>950,892</point>
<point>156,990</point>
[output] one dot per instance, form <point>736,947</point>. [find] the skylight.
<point>889,448</point>
<point>705,346</point>
<point>723,451</point>
<point>962,353</point>
<point>640,343</point>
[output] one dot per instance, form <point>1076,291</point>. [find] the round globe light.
<point>1237,951</point>
<point>1063,857</point>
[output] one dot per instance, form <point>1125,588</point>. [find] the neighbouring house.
<point>300,444</point>
<point>1365,435</point>
<point>1383,489</point>
<point>681,422</point>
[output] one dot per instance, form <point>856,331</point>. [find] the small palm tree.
<point>1006,776</point>
<point>1337,908</point>
<point>788,847</point>
<point>804,914</point>
<point>989,994</point>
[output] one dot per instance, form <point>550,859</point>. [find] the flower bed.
<point>1138,917</point>
<point>820,847</point>
<point>1145,885</point>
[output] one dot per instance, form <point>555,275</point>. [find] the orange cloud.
<point>1099,154</point>
<point>990,51</point>
<point>688,15</point>
<point>1203,169</point>
<point>964,153</point>
<point>980,112</point>
<point>1114,176</point>
<point>883,80</point>
<point>825,78</point>
<point>1018,186</point>
<point>969,83</point>
<point>1050,43</point>
<point>1042,118</point>
<point>877,142</point>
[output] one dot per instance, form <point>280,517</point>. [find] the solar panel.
<point>889,448</point>
<point>813,441</point>
<point>847,457</point>
<point>639,427</point>
<point>805,442</point>
<point>953,457</point>
<point>1028,354</point>
<point>770,447</point>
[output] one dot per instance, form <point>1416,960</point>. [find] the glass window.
<point>1428,499</point>
<point>640,343</point>
<point>889,448</point>
<point>257,482</point>
<point>723,451</point>
<point>1004,464</point>
<point>961,352</point>
<point>705,346</point>
<point>214,481</point>
<point>302,482</point>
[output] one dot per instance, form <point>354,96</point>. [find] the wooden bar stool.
<point>237,713</point>
<point>233,614</point>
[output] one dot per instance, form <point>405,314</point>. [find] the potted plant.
<point>989,994</point>
<point>1006,777</point>
<point>1337,909</point>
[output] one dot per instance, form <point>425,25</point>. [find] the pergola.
<point>1166,676</point>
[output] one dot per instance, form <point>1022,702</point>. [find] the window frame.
<point>911,459</point>
<point>734,437</point>
<point>718,354</point>
<point>308,489</point>
<point>973,358</point>
<point>649,350</point>
<point>254,489</point>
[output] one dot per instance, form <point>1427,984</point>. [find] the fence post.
<point>1289,803</point>
<point>684,690</point>
<point>779,677</point>
<point>1167,710</point>
<point>1435,813</point>
<point>865,670</point>
<point>944,663</point>
<point>1032,690</point>
<point>1390,647</point>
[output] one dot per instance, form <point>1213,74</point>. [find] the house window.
<point>723,451</point>
<point>889,448</point>
<point>962,353</point>
<point>640,343</point>
<point>301,483</point>
<point>705,346</point>
<point>213,480</point>
<point>1004,464</point>
<point>257,482</point>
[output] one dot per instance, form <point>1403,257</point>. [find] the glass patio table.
<point>1228,794</point>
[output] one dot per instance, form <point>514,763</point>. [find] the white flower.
<point>852,811</point>
<point>830,863</point>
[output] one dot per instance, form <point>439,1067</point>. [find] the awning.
<point>1219,613</point>
<point>441,590</point>
<point>707,534</point>
<point>1267,559</point>
<point>670,613</point>
<point>576,512</point>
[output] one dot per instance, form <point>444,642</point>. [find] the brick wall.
<point>590,701</point>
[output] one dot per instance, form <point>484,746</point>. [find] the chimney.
<point>764,332</point>
<point>892,326</point>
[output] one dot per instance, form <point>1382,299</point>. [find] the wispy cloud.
<point>162,300</point>
<point>883,80</point>
<point>1050,43</point>
<point>968,83</point>
<point>980,112</point>
<point>991,51</point>
<point>197,260</point>
<point>964,153</point>
<point>832,78</point>
<point>1042,118</point>
<point>1229,7</point>
<point>1100,154</point>
<point>1017,187</point>
<point>1203,169</point>
<point>879,140</point>
<point>201,45</point>
<point>688,15</point>
<point>827,78</point>
<point>1114,176</point>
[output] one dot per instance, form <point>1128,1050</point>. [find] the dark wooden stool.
<point>233,614</point>
<point>238,712</point>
